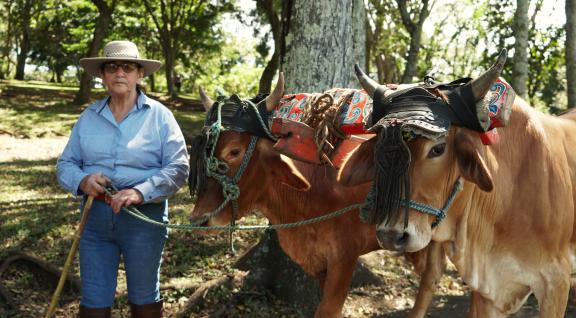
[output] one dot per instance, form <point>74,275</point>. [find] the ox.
<point>509,231</point>
<point>286,191</point>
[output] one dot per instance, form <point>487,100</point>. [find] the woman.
<point>134,143</point>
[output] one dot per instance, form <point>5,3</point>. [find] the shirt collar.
<point>141,101</point>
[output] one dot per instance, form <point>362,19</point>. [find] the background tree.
<point>176,20</point>
<point>24,22</point>
<point>105,10</point>
<point>570,9</point>
<point>520,61</point>
<point>270,11</point>
<point>313,62</point>
<point>385,47</point>
<point>414,26</point>
<point>6,33</point>
<point>55,47</point>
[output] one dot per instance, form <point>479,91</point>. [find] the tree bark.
<point>415,30</point>
<point>520,60</point>
<point>323,41</point>
<point>8,42</point>
<point>267,6</point>
<point>571,52</point>
<point>315,55</point>
<point>100,32</point>
<point>270,268</point>
<point>24,40</point>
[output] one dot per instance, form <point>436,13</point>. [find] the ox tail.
<point>197,176</point>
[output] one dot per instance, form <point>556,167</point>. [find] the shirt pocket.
<point>97,147</point>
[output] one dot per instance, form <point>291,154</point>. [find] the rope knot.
<point>216,166</point>
<point>230,191</point>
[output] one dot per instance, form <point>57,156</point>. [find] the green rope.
<point>193,226</point>
<point>230,190</point>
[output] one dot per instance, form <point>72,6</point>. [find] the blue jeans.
<point>106,237</point>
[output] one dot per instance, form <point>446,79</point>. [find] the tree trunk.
<point>312,63</point>
<point>25,40</point>
<point>265,85</point>
<point>8,41</point>
<point>520,61</point>
<point>267,6</point>
<point>169,57</point>
<point>270,268</point>
<point>571,52</point>
<point>323,41</point>
<point>152,82</point>
<point>100,32</point>
<point>415,30</point>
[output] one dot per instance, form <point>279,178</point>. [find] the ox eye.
<point>437,150</point>
<point>234,152</point>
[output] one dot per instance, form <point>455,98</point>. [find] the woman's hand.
<point>124,198</point>
<point>94,184</point>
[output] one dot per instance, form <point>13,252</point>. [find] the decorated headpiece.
<point>233,114</point>
<point>425,110</point>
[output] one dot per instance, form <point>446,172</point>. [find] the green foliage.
<point>232,72</point>
<point>463,38</point>
<point>40,219</point>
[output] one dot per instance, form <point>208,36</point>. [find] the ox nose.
<point>392,239</point>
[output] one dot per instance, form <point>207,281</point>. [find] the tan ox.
<point>288,191</point>
<point>509,231</point>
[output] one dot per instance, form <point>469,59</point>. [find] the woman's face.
<point>121,77</point>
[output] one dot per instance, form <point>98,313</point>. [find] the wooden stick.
<point>70,258</point>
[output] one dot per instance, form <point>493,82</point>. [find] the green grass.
<point>37,217</point>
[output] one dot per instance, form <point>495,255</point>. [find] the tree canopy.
<point>405,40</point>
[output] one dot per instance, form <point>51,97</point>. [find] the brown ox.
<point>287,191</point>
<point>510,230</point>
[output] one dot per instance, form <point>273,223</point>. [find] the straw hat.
<point>119,51</point>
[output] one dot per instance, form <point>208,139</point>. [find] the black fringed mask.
<point>236,115</point>
<point>425,110</point>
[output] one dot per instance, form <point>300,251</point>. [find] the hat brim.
<point>92,64</point>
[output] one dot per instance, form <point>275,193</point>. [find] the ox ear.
<point>358,168</point>
<point>472,165</point>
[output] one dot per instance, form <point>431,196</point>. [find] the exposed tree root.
<point>41,269</point>
<point>198,297</point>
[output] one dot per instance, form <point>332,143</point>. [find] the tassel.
<point>392,182</point>
<point>197,176</point>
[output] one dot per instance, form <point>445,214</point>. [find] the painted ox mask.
<point>425,110</point>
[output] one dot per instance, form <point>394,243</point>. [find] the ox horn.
<point>482,83</point>
<point>368,84</point>
<point>207,102</point>
<point>274,98</point>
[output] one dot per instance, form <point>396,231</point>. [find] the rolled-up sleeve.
<point>175,167</point>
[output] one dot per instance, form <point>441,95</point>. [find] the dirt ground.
<point>391,299</point>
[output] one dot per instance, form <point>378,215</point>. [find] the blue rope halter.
<point>440,214</point>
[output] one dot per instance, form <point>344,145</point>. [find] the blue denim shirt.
<point>145,151</point>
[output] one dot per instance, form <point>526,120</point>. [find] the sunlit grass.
<point>39,218</point>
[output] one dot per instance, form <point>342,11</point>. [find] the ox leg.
<point>552,291</point>
<point>335,289</point>
<point>435,264</point>
<point>481,307</point>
